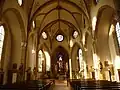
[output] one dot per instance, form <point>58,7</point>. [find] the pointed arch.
<point>102,32</point>
<point>75,57</point>
<point>19,18</point>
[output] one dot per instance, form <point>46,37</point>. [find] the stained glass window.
<point>33,24</point>
<point>2,33</point>
<point>118,32</point>
<point>59,38</point>
<point>20,2</point>
<point>80,59</point>
<point>96,1</point>
<point>75,34</point>
<point>40,60</point>
<point>44,35</point>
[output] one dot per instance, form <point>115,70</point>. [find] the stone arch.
<point>102,32</point>
<point>15,22</point>
<point>60,48</point>
<point>55,58</point>
<point>74,57</point>
<point>64,21</point>
<point>50,2</point>
<point>20,20</point>
<point>45,49</point>
<point>88,49</point>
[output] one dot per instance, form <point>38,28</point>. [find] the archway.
<point>102,37</point>
<point>15,37</point>
<point>78,63</point>
<point>17,40</point>
<point>59,62</point>
<point>102,32</point>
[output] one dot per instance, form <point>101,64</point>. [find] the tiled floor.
<point>61,85</point>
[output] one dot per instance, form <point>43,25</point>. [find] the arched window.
<point>75,34</point>
<point>118,32</point>
<point>2,34</point>
<point>60,38</point>
<point>40,60</point>
<point>96,1</point>
<point>44,35</point>
<point>20,2</point>
<point>80,59</point>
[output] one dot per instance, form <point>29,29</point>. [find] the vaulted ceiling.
<point>59,16</point>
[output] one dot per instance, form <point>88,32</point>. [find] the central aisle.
<point>61,85</point>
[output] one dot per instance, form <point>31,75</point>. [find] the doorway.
<point>60,64</point>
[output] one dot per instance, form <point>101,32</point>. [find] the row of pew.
<point>29,85</point>
<point>94,85</point>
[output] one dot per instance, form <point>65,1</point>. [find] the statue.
<point>101,66</point>
<point>29,73</point>
<point>20,73</point>
<point>34,73</point>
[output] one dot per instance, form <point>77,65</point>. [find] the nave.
<point>44,42</point>
<point>61,85</point>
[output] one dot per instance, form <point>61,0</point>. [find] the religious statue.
<point>29,73</point>
<point>101,66</point>
<point>20,73</point>
<point>34,73</point>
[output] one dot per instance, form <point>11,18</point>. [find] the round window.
<point>59,38</point>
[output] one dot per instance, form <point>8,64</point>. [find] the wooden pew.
<point>28,85</point>
<point>94,85</point>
